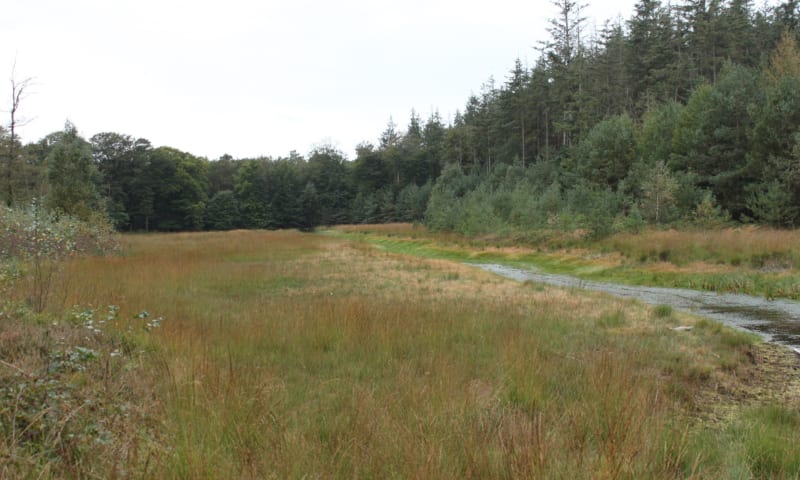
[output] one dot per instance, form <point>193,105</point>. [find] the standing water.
<point>776,321</point>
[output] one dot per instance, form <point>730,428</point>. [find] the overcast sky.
<point>253,78</point>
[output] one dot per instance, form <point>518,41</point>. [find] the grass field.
<point>289,355</point>
<point>757,261</point>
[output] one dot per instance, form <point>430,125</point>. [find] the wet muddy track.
<point>776,321</point>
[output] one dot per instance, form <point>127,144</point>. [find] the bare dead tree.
<point>19,90</point>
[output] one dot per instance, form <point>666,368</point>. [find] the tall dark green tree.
<point>389,150</point>
<point>328,172</point>
<point>222,174</point>
<point>610,83</point>
<point>776,138</point>
<point>283,194</point>
<point>604,157</point>
<point>513,117</point>
<point>650,54</point>
<point>658,129</point>
<point>738,30</point>
<point>370,171</point>
<point>563,55</point>
<point>121,161</point>
<point>713,136</point>
<point>72,176</point>
<point>434,141</point>
<point>456,142</point>
<point>180,186</point>
<point>250,189</point>
<point>708,36</point>
<point>222,211</point>
<point>413,165</point>
<point>310,208</point>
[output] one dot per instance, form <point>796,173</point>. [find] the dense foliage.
<point>686,112</point>
<point>35,241</point>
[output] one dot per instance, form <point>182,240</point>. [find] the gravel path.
<point>777,321</point>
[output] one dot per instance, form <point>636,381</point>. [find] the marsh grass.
<point>756,247</point>
<point>760,248</point>
<point>663,311</point>
<point>762,443</point>
<point>288,355</point>
<point>749,260</point>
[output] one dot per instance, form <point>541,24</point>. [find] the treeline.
<point>142,188</point>
<point>686,112</point>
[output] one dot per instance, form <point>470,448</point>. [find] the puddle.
<point>776,321</point>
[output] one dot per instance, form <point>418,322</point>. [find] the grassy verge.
<point>288,355</point>
<point>746,260</point>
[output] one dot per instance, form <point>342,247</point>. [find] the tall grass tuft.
<point>762,247</point>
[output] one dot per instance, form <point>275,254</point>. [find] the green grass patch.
<point>772,282</point>
<point>663,311</point>
<point>762,442</point>
<point>616,319</point>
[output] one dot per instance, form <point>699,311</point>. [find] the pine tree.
<point>561,53</point>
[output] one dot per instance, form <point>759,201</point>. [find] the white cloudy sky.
<point>252,78</point>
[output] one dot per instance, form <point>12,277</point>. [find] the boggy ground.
<point>772,372</point>
<point>746,259</point>
<point>729,251</point>
<point>286,355</point>
<point>725,403</point>
<point>771,376</point>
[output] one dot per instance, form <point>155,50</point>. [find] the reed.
<point>758,247</point>
<point>750,260</point>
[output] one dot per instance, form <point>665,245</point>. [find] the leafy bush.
<point>34,242</point>
<point>34,231</point>
<point>75,400</point>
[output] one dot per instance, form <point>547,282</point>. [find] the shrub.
<point>34,242</point>
<point>74,394</point>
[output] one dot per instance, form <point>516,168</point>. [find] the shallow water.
<point>776,321</point>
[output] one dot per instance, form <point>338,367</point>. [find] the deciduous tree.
<point>73,176</point>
